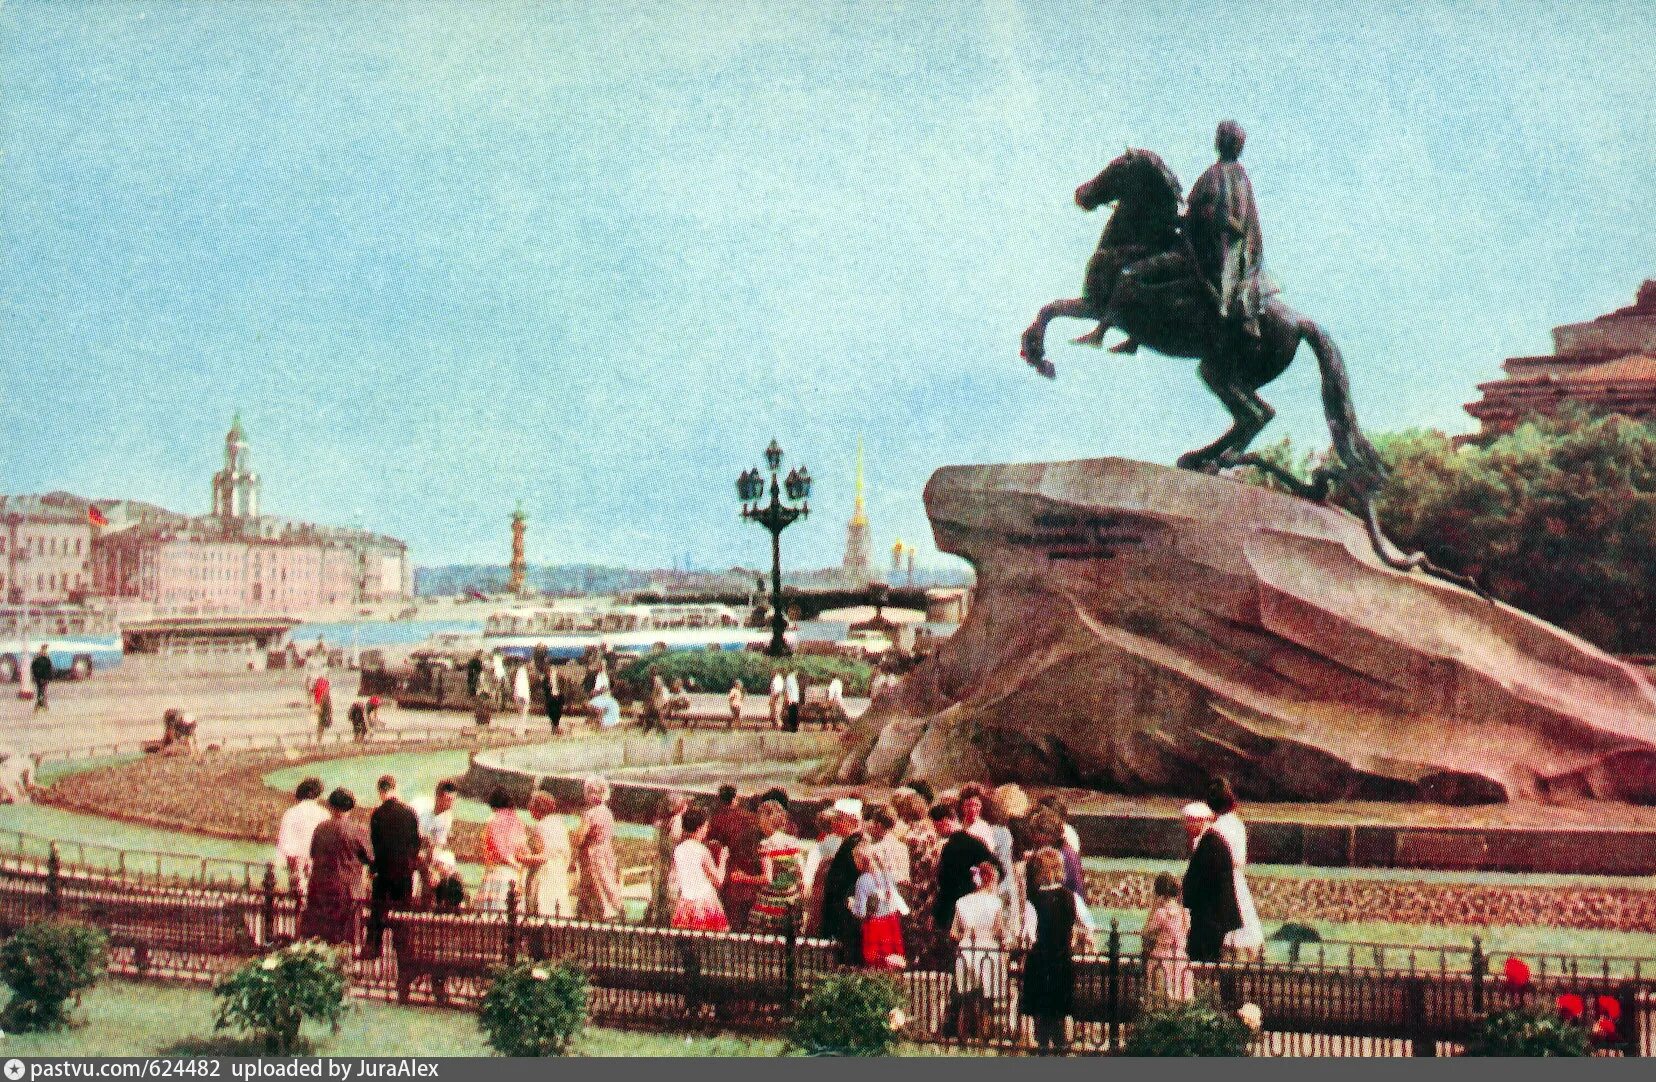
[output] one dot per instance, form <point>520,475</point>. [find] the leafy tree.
<point>1557,517</point>
<point>716,670</point>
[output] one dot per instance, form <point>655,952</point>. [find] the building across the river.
<point>45,549</point>
<point>236,560</point>
<point>1607,365</point>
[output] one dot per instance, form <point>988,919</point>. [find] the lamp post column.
<point>775,517</point>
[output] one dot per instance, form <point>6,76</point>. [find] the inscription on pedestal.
<point>1084,537</point>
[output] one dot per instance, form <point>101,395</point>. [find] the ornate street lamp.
<point>775,516</point>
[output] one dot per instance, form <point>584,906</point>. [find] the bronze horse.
<point>1177,314</point>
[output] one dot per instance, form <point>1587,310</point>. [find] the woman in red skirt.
<point>696,877</point>
<point>880,908</point>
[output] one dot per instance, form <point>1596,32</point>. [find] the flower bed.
<point>225,796</point>
<point>1349,901</point>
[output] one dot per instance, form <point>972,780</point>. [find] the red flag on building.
<point>95,516</point>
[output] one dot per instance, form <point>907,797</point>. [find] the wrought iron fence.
<point>671,978</point>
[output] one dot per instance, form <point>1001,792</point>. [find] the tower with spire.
<point>859,563</point>
<point>235,487</point>
<point>519,565</point>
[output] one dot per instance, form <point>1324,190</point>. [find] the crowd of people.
<point>403,858</point>
<point>959,882</point>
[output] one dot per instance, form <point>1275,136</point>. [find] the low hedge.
<point>717,670</point>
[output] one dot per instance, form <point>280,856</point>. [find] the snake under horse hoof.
<point>1032,350</point>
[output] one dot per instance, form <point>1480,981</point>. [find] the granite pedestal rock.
<point>1140,628</point>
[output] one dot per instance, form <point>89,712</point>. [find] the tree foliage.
<point>849,1014</point>
<point>1557,518</point>
<point>45,964</point>
<point>716,670</point>
<point>1200,1027</point>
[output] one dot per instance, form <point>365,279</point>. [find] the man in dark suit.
<point>839,883</point>
<point>394,833</point>
<point>1209,886</point>
<point>960,853</point>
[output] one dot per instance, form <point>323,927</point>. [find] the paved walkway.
<point>127,705</point>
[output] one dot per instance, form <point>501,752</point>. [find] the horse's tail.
<point>1364,470</point>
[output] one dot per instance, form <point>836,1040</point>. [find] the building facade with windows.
<point>234,560</point>
<point>45,549</point>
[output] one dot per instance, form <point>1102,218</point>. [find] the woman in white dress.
<point>1248,941</point>
<point>550,856</point>
<point>983,934</point>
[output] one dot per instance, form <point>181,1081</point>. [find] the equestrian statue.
<point>1194,285</point>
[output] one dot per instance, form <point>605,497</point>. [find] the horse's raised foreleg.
<point>1249,412</point>
<point>1034,336</point>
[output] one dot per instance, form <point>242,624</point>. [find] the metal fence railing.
<point>671,978</point>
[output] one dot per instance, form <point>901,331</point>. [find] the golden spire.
<point>859,515</point>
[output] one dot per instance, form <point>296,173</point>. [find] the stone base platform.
<point>1587,837</point>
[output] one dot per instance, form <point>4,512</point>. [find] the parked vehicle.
<point>79,639</point>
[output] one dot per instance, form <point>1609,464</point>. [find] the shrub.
<point>274,995</point>
<point>716,670</point>
<point>1528,1031</point>
<point>45,964</point>
<point>534,1009</point>
<point>1198,1027</point>
<point>849,1014</point>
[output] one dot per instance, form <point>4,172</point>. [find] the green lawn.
<point>54,769</point>
<point>129,1018</point>
<point>100,837</point>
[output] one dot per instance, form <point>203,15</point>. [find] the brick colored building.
<point>1607,364</point>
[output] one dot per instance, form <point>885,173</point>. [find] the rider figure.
<point>1222,225</point>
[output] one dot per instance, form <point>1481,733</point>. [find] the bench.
<point>816,709</point>
<point>727,972</point>
<point>205,925</point>
<point>1421,1006</point>
<point>146,922</point>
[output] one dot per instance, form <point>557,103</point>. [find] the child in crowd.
<point>449,894</point>
<point>877,904</point>
<point>1164,934</point>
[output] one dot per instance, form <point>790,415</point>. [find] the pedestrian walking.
<point>790,691</point>
<point>358,714</point>
<point>322,701</point>
<point>42,673</point>
<point>520,697</point>
<point>298,826</point>
<point>552,694</point>
<point>735,699</point>
<point>778,694</point>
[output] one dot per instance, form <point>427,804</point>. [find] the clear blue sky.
<point>443,256</point>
